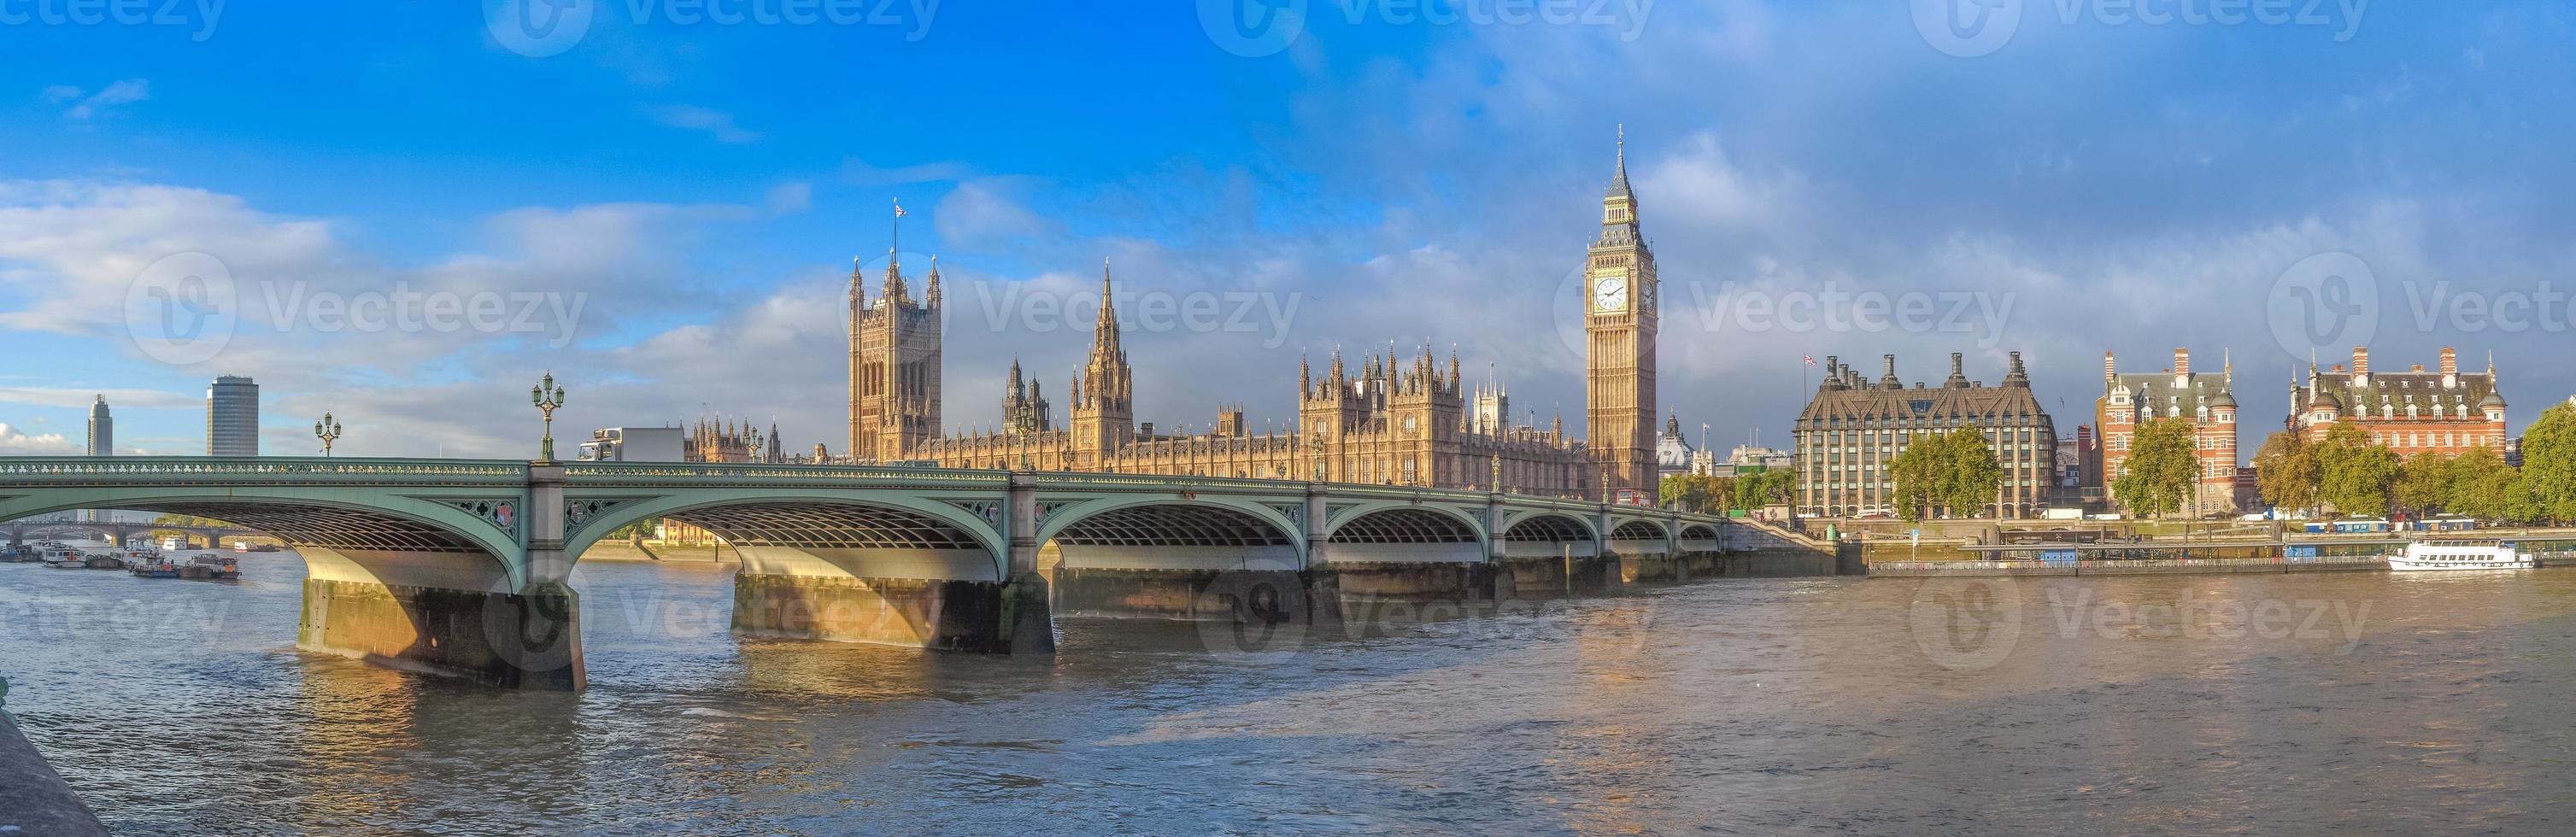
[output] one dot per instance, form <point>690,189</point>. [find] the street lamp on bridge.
<point>327,430</point>
<point>547,397</point>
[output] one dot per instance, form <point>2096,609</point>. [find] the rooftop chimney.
<point>2361,366</point>
<point>2450,368</point>
<point>2109,370</point>
<point>1958,372</point>
<point>2182,361</point>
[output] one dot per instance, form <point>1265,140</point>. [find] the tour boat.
<point>65,559</point>
<point>2422,556</point>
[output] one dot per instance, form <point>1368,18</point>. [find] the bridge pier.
<point>529,640</point>
<point>949,599</point>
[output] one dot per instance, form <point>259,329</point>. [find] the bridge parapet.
<point>128,470</point>
<point>694,473</point>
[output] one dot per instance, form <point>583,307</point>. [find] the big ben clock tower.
<point>1620,322</point>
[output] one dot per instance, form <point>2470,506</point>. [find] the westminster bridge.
<point>462,567</point>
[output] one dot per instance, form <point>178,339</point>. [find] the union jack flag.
<point>1811,360</point>
<point>898,209</point>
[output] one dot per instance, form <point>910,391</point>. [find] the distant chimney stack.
<point>2182,361</point>
<point>2450,361</point>
<point>2360,360</point>
<point>2110,369</point>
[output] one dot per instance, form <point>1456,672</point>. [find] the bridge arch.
<point>1550,534</point>
<point>1640,536</point>
<point>342,535</point>
<point>1695,532</point>
<point>1166,533</point>
<point>1397,532</point>
<point>821,534</point>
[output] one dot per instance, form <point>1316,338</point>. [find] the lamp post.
<point>547,397</point>
<point>327,430</point>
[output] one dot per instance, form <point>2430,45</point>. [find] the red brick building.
<point>2444,411</point>
<point>2207,401</point>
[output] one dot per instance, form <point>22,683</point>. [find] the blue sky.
<point>699,190</point>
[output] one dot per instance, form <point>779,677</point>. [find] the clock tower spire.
<point>1620,326</point>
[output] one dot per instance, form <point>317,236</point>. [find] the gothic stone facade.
<point>1395,420</point>
<point>1850,434</point>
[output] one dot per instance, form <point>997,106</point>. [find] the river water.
<point>2356,702</point>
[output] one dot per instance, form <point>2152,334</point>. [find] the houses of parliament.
<point>1392,420</point>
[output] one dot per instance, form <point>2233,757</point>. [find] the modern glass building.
<point>232,417</point>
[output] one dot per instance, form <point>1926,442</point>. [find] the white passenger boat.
<point>2422,556</point>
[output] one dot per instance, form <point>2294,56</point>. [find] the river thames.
<point>2350,702</point>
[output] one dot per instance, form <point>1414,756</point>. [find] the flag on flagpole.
<point>1811,359</point>
<point>898,210</point>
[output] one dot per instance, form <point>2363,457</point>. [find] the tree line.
<point>2351,474</point>
<point>1707,494</point>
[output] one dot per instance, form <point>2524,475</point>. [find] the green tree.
<point>2521,503</point>
<point>1918,471</point>
<point>2481,485</point>
<point>2358,472</point>
<point>1974,477</point>
<point>2424,483</point>
<point>1767,488</point>
<point>2163,464</point>
<point>2286,471</point>
<point>1699,493</point>
<point>2549,463</point>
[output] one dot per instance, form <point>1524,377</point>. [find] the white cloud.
<point>15,441</point>
<point>123,92</point>
<point>714,123</point>
<point>76,398</point>
<point>789,198</point>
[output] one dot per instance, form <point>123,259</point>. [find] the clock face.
<point>1610,294</point>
